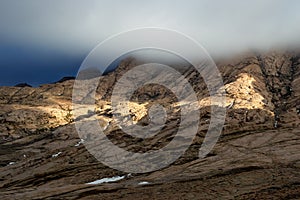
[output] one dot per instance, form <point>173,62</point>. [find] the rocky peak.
<point>23,85</point>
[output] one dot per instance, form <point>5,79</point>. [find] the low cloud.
<point>44,40</point>
<point>221,27</point>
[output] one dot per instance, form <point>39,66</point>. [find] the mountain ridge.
<point>257,155</point>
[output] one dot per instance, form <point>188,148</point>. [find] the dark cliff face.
<point>256,157</point>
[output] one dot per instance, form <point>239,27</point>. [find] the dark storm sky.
<point>42,40</point>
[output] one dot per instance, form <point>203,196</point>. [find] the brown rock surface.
<point>256,157</point>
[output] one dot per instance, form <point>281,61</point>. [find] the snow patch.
<point>11,163</point>
<point>106,180</point>
<point>55,155</point>
<point>106,126</point>
<point>143,183</point>
<point>79,143</point>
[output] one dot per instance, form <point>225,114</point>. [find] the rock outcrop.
<point>256,157</point>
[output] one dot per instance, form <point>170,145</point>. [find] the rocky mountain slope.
<point>256,157</point>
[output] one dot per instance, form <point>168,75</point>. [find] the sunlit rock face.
<point>26,110</point>
<point>257,155</point>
